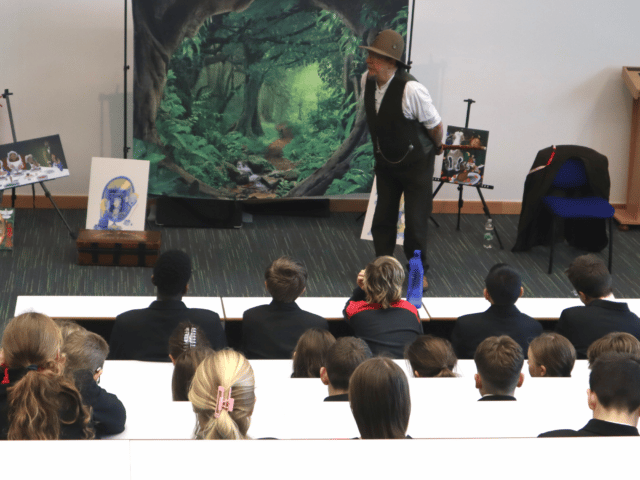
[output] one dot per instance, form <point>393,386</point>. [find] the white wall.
<point>542,73</point>
<point>63,61</point>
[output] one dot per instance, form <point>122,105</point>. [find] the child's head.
<point>341,360</point>
<point>188,347</point>
<point>551,355</point>
<point>503,284</point>
<point>85,350</point>
<point>431,356</point>
<point>286,279</point>
<point>223,397</point>
<point>620,342</point>
<point>186,336</point>
<point>309,354</point>
<point>614,383</point>
<point>499,363</point>
<point>184,369</point>
<point>589,275</point>
<point>32,339</point>
<point>383,279</point>
<point>171,273</point>
<point>379,399</point>
<point>67,327</point>
<point>38,393</point>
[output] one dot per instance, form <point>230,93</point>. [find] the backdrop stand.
<point>485,207</point>
<point>126,69</point>
<point>73,235</point>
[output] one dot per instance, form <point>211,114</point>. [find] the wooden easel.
<point>630,213</point>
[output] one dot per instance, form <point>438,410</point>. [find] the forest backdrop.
<point>255,98</point>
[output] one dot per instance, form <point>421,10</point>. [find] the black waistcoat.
<point>397,141</point>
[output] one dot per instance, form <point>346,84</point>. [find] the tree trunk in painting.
<point>160,27</point>
<point>318,182</point>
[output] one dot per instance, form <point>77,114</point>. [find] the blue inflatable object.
<point>416,273</point>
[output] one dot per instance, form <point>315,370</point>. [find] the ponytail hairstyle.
<point>184,369</point>
<point>231,371</point>
<point>431,357</point>
<point>42,399</point>
<point>188,346</point>
<point>310,353</point>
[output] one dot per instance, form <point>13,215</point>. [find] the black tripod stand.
<point>477,187</point>
<point>73,235</point>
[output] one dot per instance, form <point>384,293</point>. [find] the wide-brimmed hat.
<point>389,44</point>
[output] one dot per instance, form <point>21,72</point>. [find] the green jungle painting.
<point>255,98</point>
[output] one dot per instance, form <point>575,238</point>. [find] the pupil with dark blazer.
<point>602,314</point>
<point>272,331</point>
<point>143,334</point>
<point>376,311</point>
<point>503,288</point>
<point>613,396</point>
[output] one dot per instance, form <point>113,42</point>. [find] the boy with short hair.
<point>343,357</point>
<point>614,397</point>
<point>272,331</point>
<point>85,355</point>
<point>503,287</point>
<point>601,314</point>
<point>499,362</point>
<point>143,334</point>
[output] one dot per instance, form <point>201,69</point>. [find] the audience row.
<point>46,377</point>
<point>375,312</point>
<point>51,373</point>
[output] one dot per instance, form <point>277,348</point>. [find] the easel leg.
<point>434,196</point>
<point>460,204</point>
<point>48,195</point>
<point>485,207</point>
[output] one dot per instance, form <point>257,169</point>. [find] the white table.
<point>328,307</point>
<point>99,307</point>
<point>450,308</point>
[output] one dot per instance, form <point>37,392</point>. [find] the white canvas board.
<point>368,219</point>
<point>117,194</point>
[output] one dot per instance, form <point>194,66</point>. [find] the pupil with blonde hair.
<point>223,397</point>
<point>376,311</point>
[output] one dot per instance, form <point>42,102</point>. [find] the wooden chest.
<point>118,247</point>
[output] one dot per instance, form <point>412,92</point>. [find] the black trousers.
<point>416,182</point>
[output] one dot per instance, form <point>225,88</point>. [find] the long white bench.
<point>90,307</point>
<point>289,408</point>
<point>109,307</point>
<point>232,308</point>
<point>529,458</point>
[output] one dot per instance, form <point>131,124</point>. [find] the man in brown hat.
<point>406,131</point>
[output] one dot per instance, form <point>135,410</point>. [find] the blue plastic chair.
<point>570,179</point>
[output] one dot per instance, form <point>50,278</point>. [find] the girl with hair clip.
<point>310,352</point>
<point>188,347</point>
<point>223,397</point>
<point>36,401</point>
<point>431,356</point>
<point>376,312</point>
<point>379,399</point>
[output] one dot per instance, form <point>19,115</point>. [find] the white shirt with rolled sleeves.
<point>416,102</point>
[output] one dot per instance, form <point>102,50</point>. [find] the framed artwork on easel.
<point>464,165</point>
